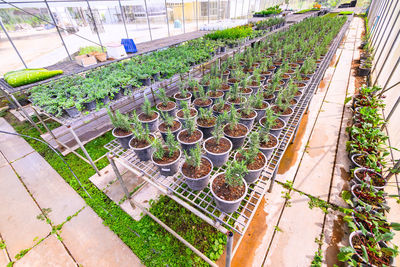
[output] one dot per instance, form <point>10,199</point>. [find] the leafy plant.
<point>141,133</point>
<point>193,158</point>
<point>234,173</point>
<point>250,155</point>
<point>119,120</point>
<point>218,131</point>
<point>162,95</point>
<point>168,120</point>
<point>146,108</point>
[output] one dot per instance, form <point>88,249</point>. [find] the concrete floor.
<point>33,202</point>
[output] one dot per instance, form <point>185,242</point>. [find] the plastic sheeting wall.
<point>384,22</point>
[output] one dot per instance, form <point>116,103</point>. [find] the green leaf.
<point>395,226</point>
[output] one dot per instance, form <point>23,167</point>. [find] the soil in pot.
<point>267,147</point>
<point>366,197</point>
<point>254,168</point>
<point>226,108</point>
<point>142,148</point>
<point>206,126</point>
<point>174,129</point>
<point>170,106</point>
<point>200,172</point>
<point>218,153</point>
<point>226,192</point>
<point>189,141</point>
<point>180,114</point>
<point>199,103</point>
<point>247,119</point>
<point>149,121</point>
<point>236,135</point>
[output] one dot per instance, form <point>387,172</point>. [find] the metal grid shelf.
<point>203,200</point>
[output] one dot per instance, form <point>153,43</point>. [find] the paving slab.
<point>3,160</point>
<point>19,226</point>
<point>48,188</point>
<point>3,258</point>
<point>115,192</point>
<point>50,252</point>
<point>295,244</point>
<point>12,147</point>
<point>93,244</point>
<point>143,197</point>
<point>107,176</point>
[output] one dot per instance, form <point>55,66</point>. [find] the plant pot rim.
<point>191,143</point>
<point>256,170</point>
<point>156,118</point>
<point>236,136</point>
<point>116,136</point>
<point>194,179</point>
<point>180,127</point>
<point>284,124</point>
<point>166,110</point>
<point>216,154</point>
<point>211,102</point>
<point>248,119</point>
<point>263,108</point>
<point>142,148</point>
<point>206,126</point>
<point>167,164</point>
<point>186,98</point>
<point>223,93</point>
<point>189,109</point>
<point>242,102</point>
<point>227,201</point>
<point>287,115</point>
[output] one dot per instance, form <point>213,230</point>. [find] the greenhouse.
<point>199,133</point>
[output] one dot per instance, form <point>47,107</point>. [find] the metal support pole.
<point>44,124</point>
<point>395,167</point>
<point>382,18</point>
<point>197,15</point>
<point>166,15</point>
<point>83,149</point>
<point>229,245</point>
<point>26,114</point>
<point>119,176</point>
<point>183,17</point>
<point>95,25</point>
<point>271,184</point>
<point>390,76</point>
<point>391,112</point>
<point>235,9</point>
<point>123,18</point>
<point>58,29</point>
<point>166,227</point>
<point>148,20</point>
<point>12,43</point>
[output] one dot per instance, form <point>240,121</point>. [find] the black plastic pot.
<point>144,153</point>
<point>145,82</point>
<point>248,122</point>
<point>105,99</point>
<point>153,124</point>
<point>261,112</point>
<point>188,146</point>
<point>224,205</point>
<point>252,175</point>
<point>171,112</point>
<point>170,168</point>
<point>214,99</point>
<point>91,105</point>
<point>268,151</point>
<point>217,159</point>
<point>277,131</point>
<point>175,133</point>
<point>237,141</point>
<point>197,184</point>
<point>118,94</point>
<point>73,112</point>
<point>207,131</point>
<point>180,100</point>
<point>239,104</point>
<point>123,140</point>
<point>182,120</point>
<point>197,107</point>
<point>363,71</point>
<point>286,117</point>
<point>156,76</point>
<point>358,181</point>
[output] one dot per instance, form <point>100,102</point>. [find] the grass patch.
<point>149,241</point>
<point>331,15</point>
<point>346,13</point>
<point>307,10</point>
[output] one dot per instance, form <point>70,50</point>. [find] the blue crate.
<point>129,45</point>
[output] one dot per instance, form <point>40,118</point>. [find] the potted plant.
<point>169,124</point>
<point>166,105</point>
<point>193,87</point>
<point>229,188</point>
<point>185,112</point>
<point>254,160</point>
<point>244,89</point>
<point>282,109</point>
<point>259,105</point>
<point>235,98</point>
<point>363,175</point>
<point>218,147</point>
<point>268,141</point>
<point>269,93</point>
<point>141,141</point>
<point>70,107</point>
<point>206,122</point>
<point>122,128</point>
<point>189,136</point>
<point>182,96</point>
<point>272,122</point>
<point>364,195</point>
<point>247,115</point>
<point>196,169</point>
<point>220,107</point>
<point>235,131</point>
<point>202,101</point>
<point>369,249</point>
<point>166,158</point>
<point>149,117</point>
<point>214,94</point>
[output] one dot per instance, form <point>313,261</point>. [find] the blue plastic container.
<point>129,45</point>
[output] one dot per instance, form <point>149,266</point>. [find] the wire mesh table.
<point>201,202</point>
